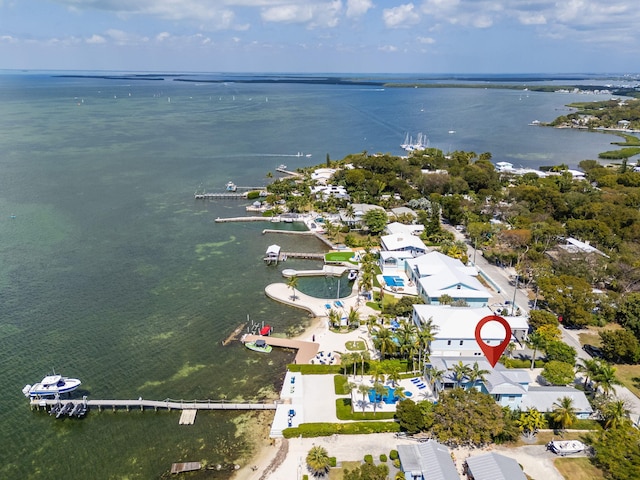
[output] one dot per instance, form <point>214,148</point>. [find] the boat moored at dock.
<point>259,345</point>
<point>51,385</point>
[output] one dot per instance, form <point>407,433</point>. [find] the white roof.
<point>400,241</point>
<point>543,398</point>
<point>273,249</point>
<point>436,262</point>
<point>384,255</point>
<point>455,284</point>
<point>460,322</point>
<point>397,227</point>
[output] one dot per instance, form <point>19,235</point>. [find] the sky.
<point>322,36</point>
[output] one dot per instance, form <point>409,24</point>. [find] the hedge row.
<point>319,369</point>
<point>309,430</point>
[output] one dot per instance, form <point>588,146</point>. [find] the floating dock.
<point>185,467</point>
<point>306,350</point>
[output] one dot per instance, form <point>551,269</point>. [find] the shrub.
<point>368,458</point>
<point>309,430</point>
<point>340,384</point>
<point>319,369</point>
<point>393,454</point>
<point>252,195</point>
<point>400,476</point>
<point>305,477</point>
<point>383,457</point>
<point>332,461</point>
<point>396,463</point>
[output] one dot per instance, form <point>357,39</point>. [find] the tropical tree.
<point>384,340</point>
<point>558,373</point>
<point>409,416</point>
<point>616,414</point>
<point>460,371</point>
<point>318,461</point>
<point>590,368</point>
<point>365,356</point>
<point>334,318</point>
<point>425,335</point>
<point>377,372</point>
<point>347,361</point>
<point>435,375</point>
<point>530,422</point>
<point>476,374</point>
<point>292,283</point>
<point>605,378</point>
<point>378,391</point>
<point>364,391</point>
<point>393,374</point>
<point>536,341</point>
<point>353,318</point>
<point>563,413</point>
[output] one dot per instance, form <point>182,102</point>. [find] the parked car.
<point>592,350</point>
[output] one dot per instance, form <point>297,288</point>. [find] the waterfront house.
<point>427,461</point>
<point>455,329</point>
<point>400,242</point>
<point>436,274</point>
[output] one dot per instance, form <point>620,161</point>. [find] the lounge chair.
<point>338,304</point>
<point>415,380</point>
<point>327,306</point>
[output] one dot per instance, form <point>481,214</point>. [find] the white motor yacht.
<point>51,385</point>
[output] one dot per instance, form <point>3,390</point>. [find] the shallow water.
<point>111,272</point>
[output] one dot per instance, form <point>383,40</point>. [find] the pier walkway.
<point>306,350</point>
<point>169,404</point>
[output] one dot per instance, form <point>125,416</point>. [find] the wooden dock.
<point>214,196</point>
<point>242,219</point>
<point>168,404</point>
<point>188,417</point>
<point>233,335</point>
<point>306,350</point>
<point>185,467</point>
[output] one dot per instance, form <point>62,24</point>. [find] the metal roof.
<point>430,458</point>
<point>493,466</point>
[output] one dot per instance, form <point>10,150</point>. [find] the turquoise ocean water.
<point>111,272</point>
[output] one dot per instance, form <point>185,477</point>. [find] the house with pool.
<point>455,329</point>
<point>436,274</point>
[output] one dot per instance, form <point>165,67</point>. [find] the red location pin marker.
<point>492,353</point>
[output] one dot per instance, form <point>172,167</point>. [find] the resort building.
<point>455,329</point>
<point>322,175</point>
<point>393,263</point>
<point>493,466</point>
<point>427,461</point>
<point>326,191</point>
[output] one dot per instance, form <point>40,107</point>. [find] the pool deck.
<point>316,306</point>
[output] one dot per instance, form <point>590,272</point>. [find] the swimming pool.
<point>394,281</point>
<point>389,398</point>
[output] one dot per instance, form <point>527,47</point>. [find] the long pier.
<point>169,404</point>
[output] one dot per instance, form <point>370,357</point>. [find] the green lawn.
<point>343,412</point>
<point>629,375</point>
<point>345,256</point>
<point>578,469</point>
<point>354,345</point>
<point>338,473</point>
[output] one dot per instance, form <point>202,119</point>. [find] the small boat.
<point>50,386</point>
<point>565,447</point>
<point>231,187</point>
<point>353,274</point>
<point>282,167</point>
<point>265,331</point>
<point>259,346</point>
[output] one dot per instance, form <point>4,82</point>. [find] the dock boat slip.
<point>50,386</point>
<point>259,346</point>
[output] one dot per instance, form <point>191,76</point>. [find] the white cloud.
<point>315,14</point>
<point>122,38</point>
<point>357,8</point>
<point>162,36</point>
<point>426,40</point>
<point>96,39</point>
<point>388,48</point>
<point>402,16</point>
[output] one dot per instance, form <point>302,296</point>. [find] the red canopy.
<point>266,330</point>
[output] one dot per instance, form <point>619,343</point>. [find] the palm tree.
<point>292,283</point>
<point>399,392</point>
<point>384,339</point>
<point>530,422</point>
<point>353,318</point>
<point>364,391</point>
<point>393,374</point>
<point>334,318</point>
<point>536,341</point>
<point>377,373</point>
<point>406,338</point>
<point>605,378</point>
<point>425,335</point>
<point>365,357</point>
<point>460,371</point>
<point>476,373</point>
<point>435,376</point>
<point>378,391</point>
<point>564,413</point>
<point>615,414</point>
<point>346,361</point>
<point>318,461</point>
<point>590,368</point>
